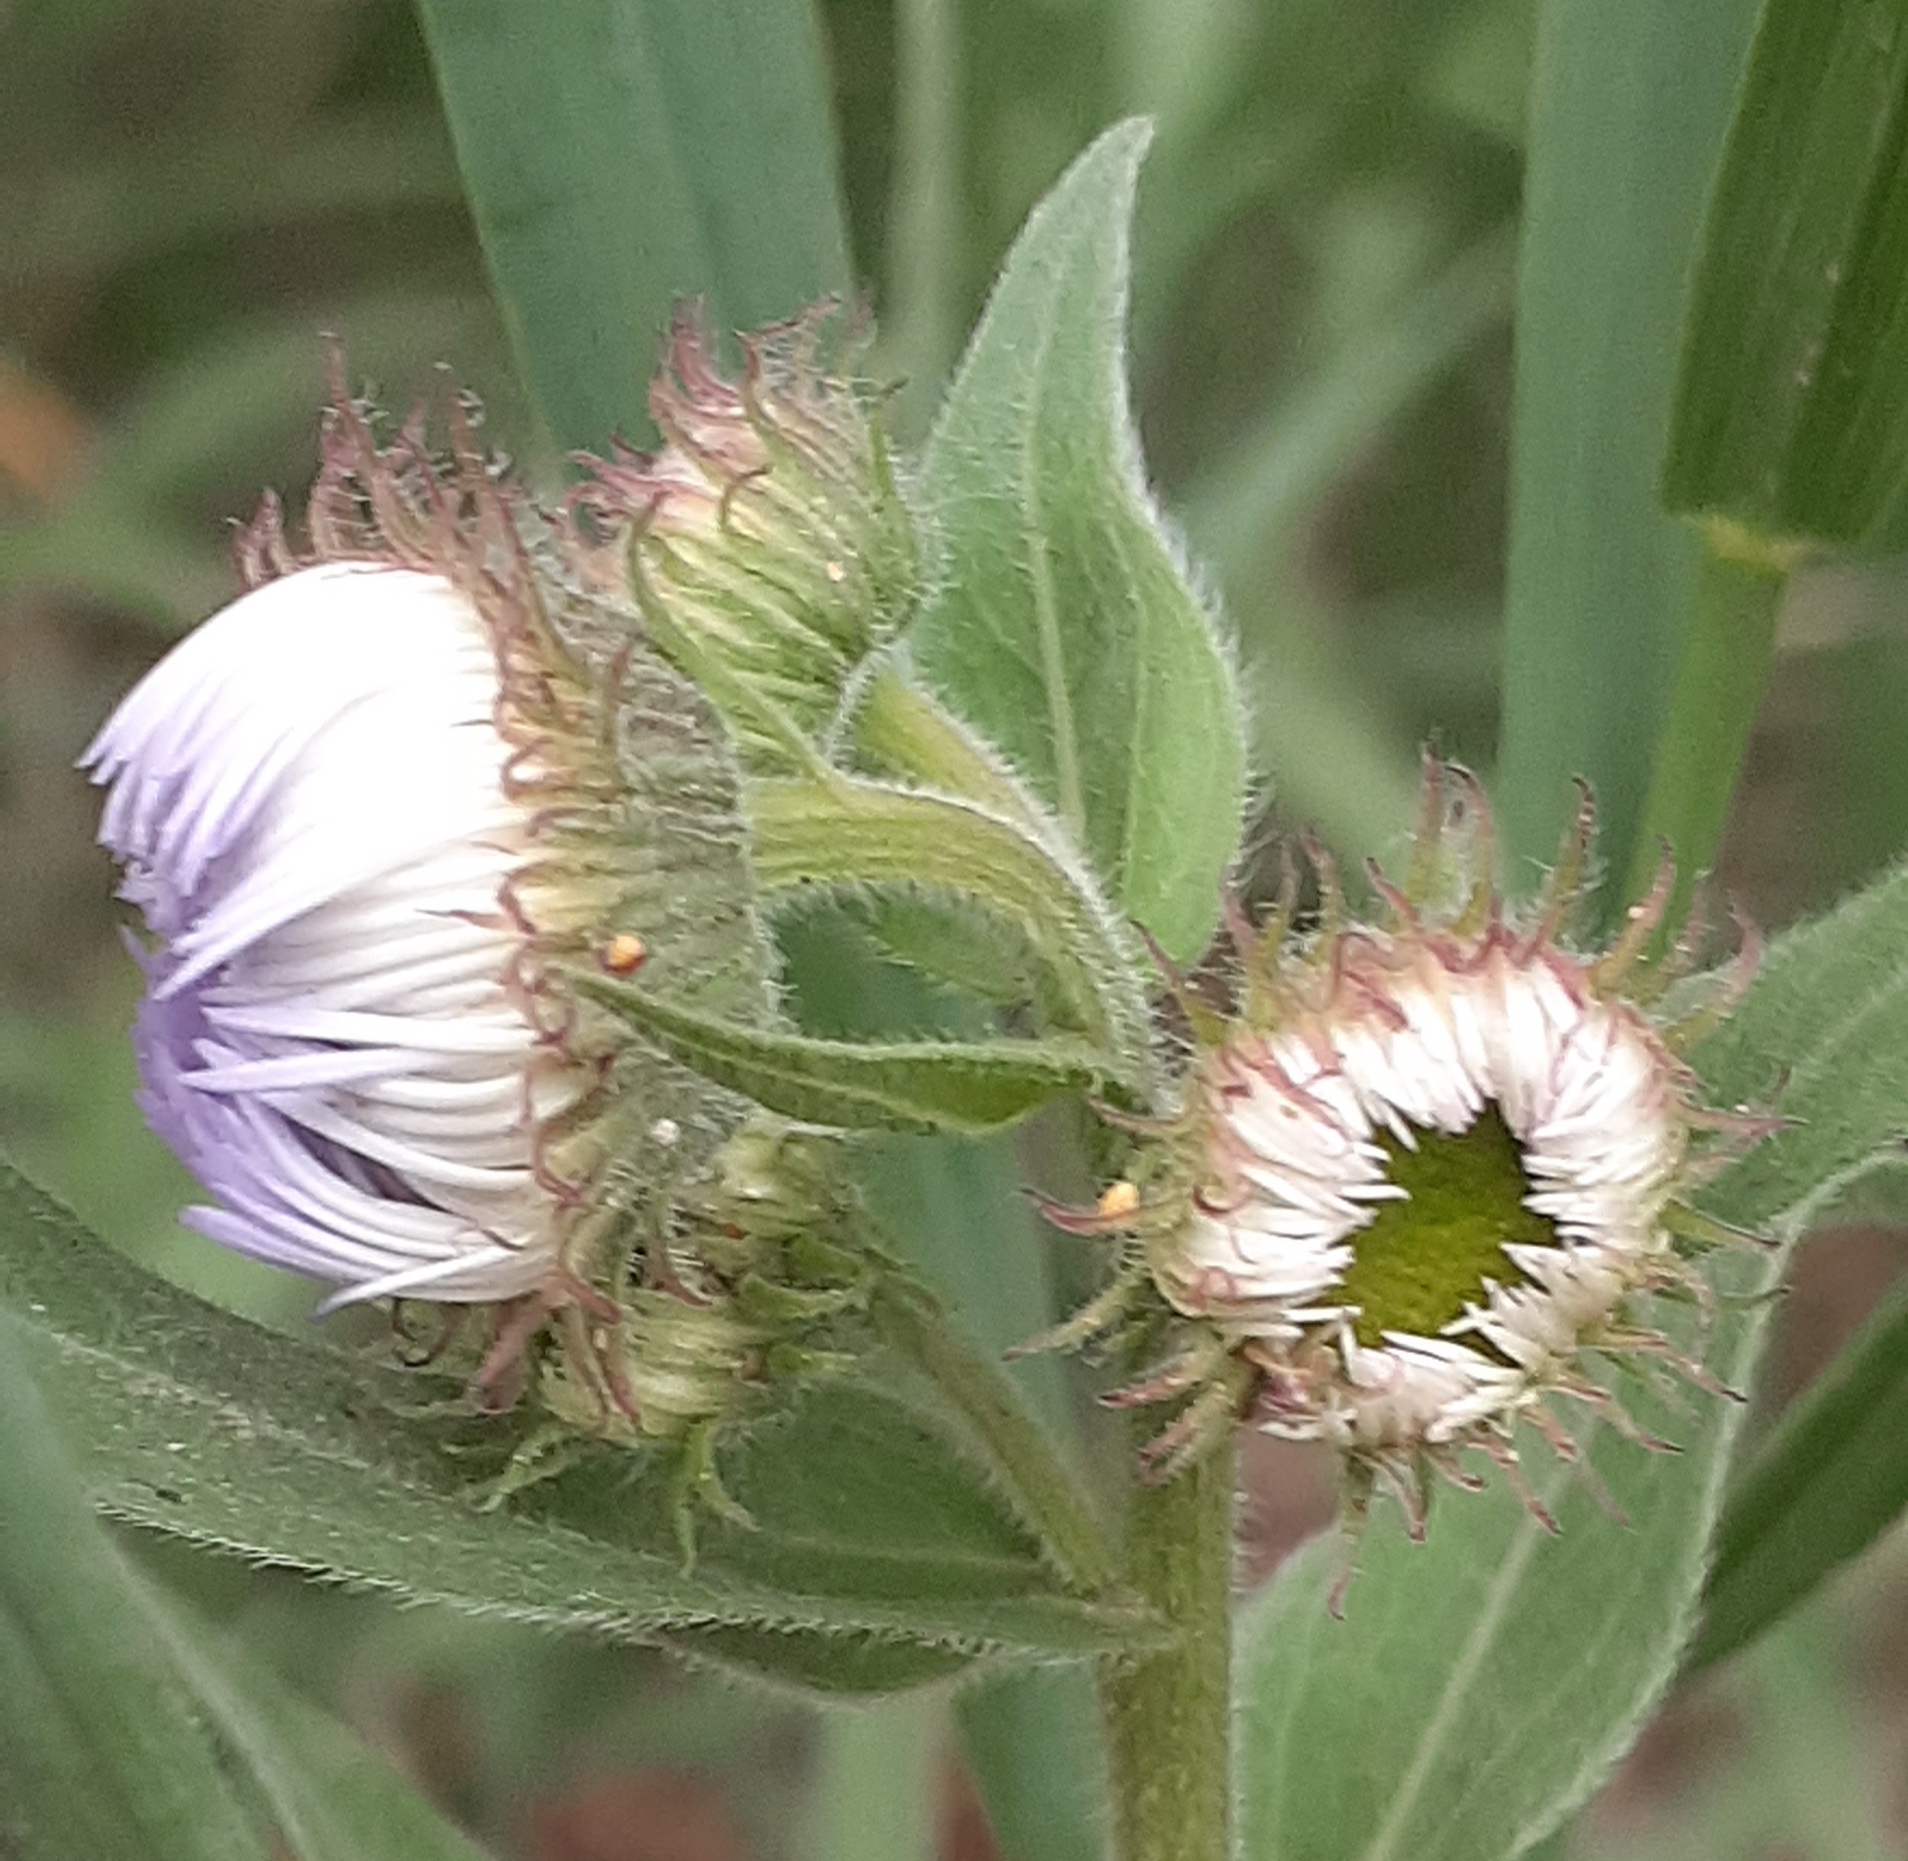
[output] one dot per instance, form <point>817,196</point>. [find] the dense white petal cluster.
<point>1416,1036</point>
<point>312,798</point>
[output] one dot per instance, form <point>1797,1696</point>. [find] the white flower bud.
<point>1428,1165</point>
<point>373,813</point>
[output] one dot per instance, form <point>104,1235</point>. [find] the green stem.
<point>905,730</point>
<point>847,832</point>
<point>1169,1715</point>
<point>1728,655</point>
<point>1041,1485</point>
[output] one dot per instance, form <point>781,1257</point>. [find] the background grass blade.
<point>1629,107</point>
<point>1792,408</point>
<point>101,1751</point>
<point>1830,1479</point>
<point>621,154</point>
<point>875,1790</point>
<point>330,1796</point>
<point>1729,650</point>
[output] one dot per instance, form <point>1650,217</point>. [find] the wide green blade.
<point>873,1794</point>
<point>1826,1484</point>
<point>1630,103</point>
<point>1482,1684</point>
<point>623,154</point>
<point>102,1753</point>
<point>333,1799</point>
<point>1792,407</point>
<point>193,1422</point>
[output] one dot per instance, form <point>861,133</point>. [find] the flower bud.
<point>373,812</point>
<point>766,542</point>
<point>1431,1163</point>
<point>768,1282</point>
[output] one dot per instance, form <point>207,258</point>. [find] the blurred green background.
<point>192,190</point>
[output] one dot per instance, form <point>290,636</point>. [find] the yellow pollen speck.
<point>624,954</point>
<point>1120,1198</point>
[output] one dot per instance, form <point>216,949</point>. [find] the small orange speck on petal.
<point>1120,1198</point>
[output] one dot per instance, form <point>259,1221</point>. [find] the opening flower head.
<point>1430,1163</point>
<point>372,812</point>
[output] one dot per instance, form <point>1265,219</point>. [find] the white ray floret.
<point>310,796</point>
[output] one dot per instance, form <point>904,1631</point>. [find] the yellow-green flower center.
<point>1423,1260</point>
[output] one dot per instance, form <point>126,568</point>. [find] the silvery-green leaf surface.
<point>196,1423</point>
<point>1067,629</point>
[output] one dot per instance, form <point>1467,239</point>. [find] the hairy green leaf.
<point>1066,628</point>
<point>850,833</point>
<point>101,1750</point>
<point>1482,1684</point>
<point>1791,414</point>
<point>922,1085</point>
<point>624,154</point>
<point>198,1424</point>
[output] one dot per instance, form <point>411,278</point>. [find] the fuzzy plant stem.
<point>1168,1716</point>
<point>1043,1488</point>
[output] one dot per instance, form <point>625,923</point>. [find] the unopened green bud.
<point>766,543</point>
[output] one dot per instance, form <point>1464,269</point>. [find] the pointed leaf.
<point>924,1085</point>
<point>1067,629</point>
<point>202,1425</point>
<point>1484,1683</point>
<point>624,154</point>
<point>860,834</point>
